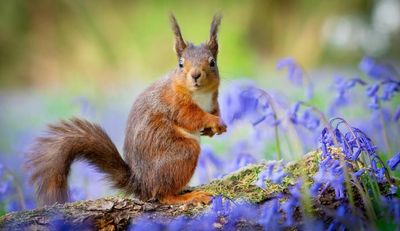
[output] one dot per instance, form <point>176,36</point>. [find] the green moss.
<point>241,184</point>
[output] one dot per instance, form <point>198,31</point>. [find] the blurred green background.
<point>86,46</point>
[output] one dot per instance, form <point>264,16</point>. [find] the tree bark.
<point>112,213</point>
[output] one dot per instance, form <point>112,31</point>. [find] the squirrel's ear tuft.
<point>180,44</point>
<point>213,41</point>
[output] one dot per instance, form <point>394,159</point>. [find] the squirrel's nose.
<point>196,75</point>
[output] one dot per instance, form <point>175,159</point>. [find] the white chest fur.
<point>203,100</point>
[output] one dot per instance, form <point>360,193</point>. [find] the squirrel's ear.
<point>213,41</point>
<point>180,44</point>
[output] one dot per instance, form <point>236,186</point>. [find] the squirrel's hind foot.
<point>194,197</point>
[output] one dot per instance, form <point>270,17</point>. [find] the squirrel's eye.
<point>181,62</point>
<point>212,62</point>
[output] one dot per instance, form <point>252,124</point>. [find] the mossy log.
<point>117,213</point>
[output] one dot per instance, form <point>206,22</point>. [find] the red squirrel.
<point>162,142</point>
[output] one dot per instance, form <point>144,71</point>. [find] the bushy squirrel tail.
<point>76,139</point>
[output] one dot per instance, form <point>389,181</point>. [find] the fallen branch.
<point>117,213</point>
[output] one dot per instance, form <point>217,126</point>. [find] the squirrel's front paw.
<point>218,126</point>
<point>207,132</point>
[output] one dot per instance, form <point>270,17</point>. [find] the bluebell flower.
<point>376,70</point>
<point>292,203</point>
<point>244,101</point>
<point>270,215</point>
<point>359,173</point>
<point>313,224</point>
<point>309,91</point>
<point>329,174</point>
<point>309,119</point>
<point>295,72</point>
<point>372,90</point>
<point>178,224</point>
<point>220,207</point>
<point>343,86</point>
<point>57,222</point>
<point>208,154</point>
<point>144,224</point>
<point>289,208</point>
<point>292,113</point>
<point>390,87</point>
<point>263,175</point>
<point>273,172</point>
<point>243,159</point>
<point>243,211</point>
<point>396,115</point>
<point>394,162</point>
<point>393,189</point>
<point>374,103</point>
<point>314,189</point>
<point>4,186</point>
<point>203,222</point>
<point>380,174</point>
<point>392,205</point>
<point>86,108</point>
<point>277,175</point>
<point>77,194</point>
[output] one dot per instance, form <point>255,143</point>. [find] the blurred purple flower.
<point>309,91</point>
<point>242,152</point>
<point>342,87</point>
<point>263,175</point>
<point>392,205</point>
<point>295,72</point>
<point>359,173</point>
<point>394,162</point>
<point>277,176</point>
<point>178,223</point>
<point>244,101</point>
<point>209,154</point>
<point>311,223</point>
<point>77,194</point>
<point>244,211</point>
<point>393,189</point>
<point>377,70</point>
<point>273,172</point>
<point>270,215</point>
<point>204,222</point>
<point>307,119</point>
<point>396,115</point>
<point>372,90</point>
<point>209,165</point>
<point>220,207</point>
<point>57,222</point>
<point>329,174</point>
<point>390,87</point>
<point>4,185</point>
<point>374,103</point>
<point>144,224</point>
<point>292,113</point>
<point>293,202</point>
<point>86,107</point>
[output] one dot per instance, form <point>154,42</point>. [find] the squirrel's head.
<point>197,65</point>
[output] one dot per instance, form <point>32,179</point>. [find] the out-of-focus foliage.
<point>103,42</point>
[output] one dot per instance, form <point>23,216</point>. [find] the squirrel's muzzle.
<point>195,75</point>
